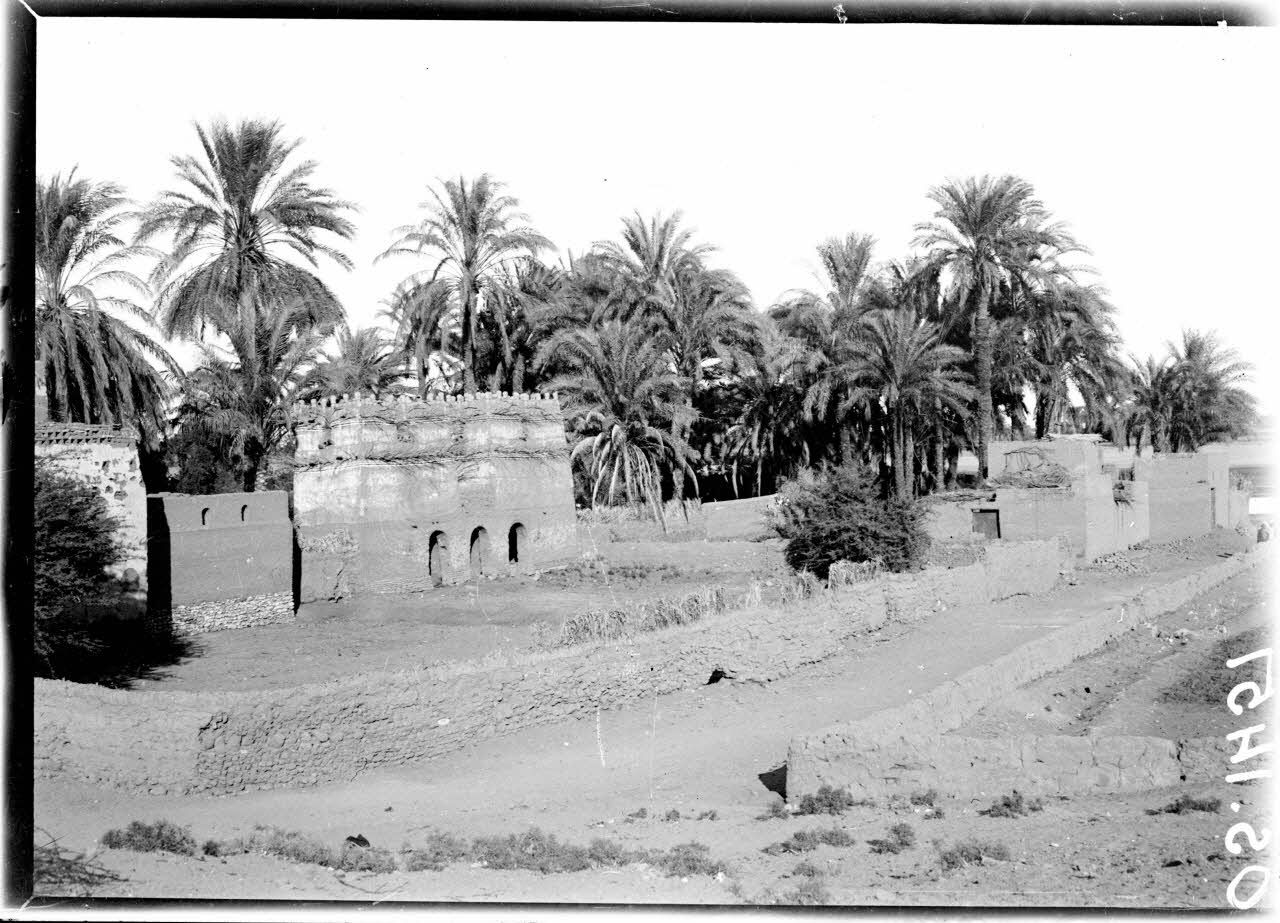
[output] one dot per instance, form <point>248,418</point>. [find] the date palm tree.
<point>469,234</point>
<point>649,260</point>
<point>772,432</point>
<point>360,361</point>
<point>97,358</point>
<point>1209,403</point>
<point>623,399</point>
<point>901,366</point>
<point>242,399</point>
<point>988,235</point>
<point>240,225</point>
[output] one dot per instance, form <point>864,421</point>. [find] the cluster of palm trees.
<point>672,381</point>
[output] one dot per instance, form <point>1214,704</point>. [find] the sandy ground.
<point>715,748</point>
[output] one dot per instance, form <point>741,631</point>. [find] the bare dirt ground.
<point>717,748</point>
<point>459,622</point>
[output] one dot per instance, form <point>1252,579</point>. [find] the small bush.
<point>900,837</point>
<point>777,810</point>
<point>634,618</point>
<point>828,800</point>
<point>609,854</point>
<point>1012,805</point>
<point>809,840</point>
<point>806,869</point>
<point>839,515</point>
<point>287,844</point>
<point>638,815</point>
<point>708,815</point>
<point>935,814</point>
<point>1186,804</point>
<point>532,850</point>
<point>211,848</point>
<point>926,799</point>
<point>684,860</point>
<point>672,815</point>
<point>811,893</point>
<point>971,852</point>
<point>440,849</point>
<point>162,836</point>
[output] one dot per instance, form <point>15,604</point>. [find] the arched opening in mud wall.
<point>515,543</point>
<point>437,553</point>
<point>479,550</point>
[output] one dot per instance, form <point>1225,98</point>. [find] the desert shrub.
<point>74,540</point>
<point>971,852</point>
<point>1012,805</point>
<point>610,854</point>
<point>926,799</point>
<point>900,837</point>
<point>161,836</point>
<point>211,848</point>
<point>708,815</point>
<point>1186,804</point>
<point>648,615</point>
<point>811,893</point>
<point>828,800</point>
<point>532,850</point>
<point>63,869</point>
<point>777,810</point>
<point>806,869</point>
<point>839,515</point>
<point>809,840</point>
<point>440,850</point>
<point>355,858</point>
<point>684,860</point>
<point>672,815</point>
<point>935,814</point>
<point>638,815</point>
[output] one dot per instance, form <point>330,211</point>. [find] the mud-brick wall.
<point>222,560</point>
<point>892,750</point>
<point>136,741</point>
<point>335,730</point>
<point>1031,513</point>
<point>1079,456</point>
<point>105,459</point>
<point>949,522</point>
<point>1189,493</point>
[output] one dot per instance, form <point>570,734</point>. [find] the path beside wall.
<point>904,748</point>
<point>333,731</point>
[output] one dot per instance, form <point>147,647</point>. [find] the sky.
<point>1155,145</point>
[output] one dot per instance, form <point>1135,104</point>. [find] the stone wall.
<point>106,459</point>
<point>332,731</point>
<point>894,749</point>
<point>221,560</point>
<point>400,495</point>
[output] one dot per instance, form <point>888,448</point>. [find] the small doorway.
<point>987,522</point>
<point>437,554</point>
<point>515,543</point>
<point>479,550</point>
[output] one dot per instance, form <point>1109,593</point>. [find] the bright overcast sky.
<point>1155,144</point>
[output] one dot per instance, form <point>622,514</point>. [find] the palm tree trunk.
<point>468,337</point>
<point>517,375</point>
<point>908,460</point>
<point>982,351</point>
<point>898,455</point>
<point>938,462</point>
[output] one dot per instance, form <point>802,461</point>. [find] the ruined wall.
<point>106,459</point>
<point>951,521</point>
<point>1078,456</point>
<point>892,750</point>
<point>221,560</point>
<point>1238,508</point>
<point>400,495</point>
<point>333,731</point>
<point>1189,493</point>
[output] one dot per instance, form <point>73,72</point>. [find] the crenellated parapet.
<point>440,426</point>
<point>68,434</point>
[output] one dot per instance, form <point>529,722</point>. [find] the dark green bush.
<point>1185,804</point>
<point>777,810</point>
<point>839,515</point>
<point>900,837</point>
<point>74,541</point>
<point>809,840</point>
<point>162,836</point>
<point>532,850</point>
<point>1012,805</point>
<point>971,852</point>
<point>684,860</point>
<point>828,800</point>
<point>440,850</point>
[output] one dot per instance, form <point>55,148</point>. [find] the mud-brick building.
<point>106,459</point>
<point>396,495</point>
